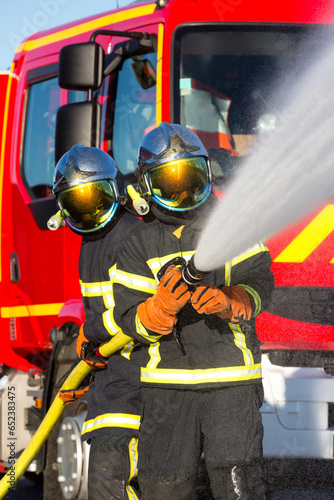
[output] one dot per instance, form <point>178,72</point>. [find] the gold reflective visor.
<point>88,206</point>
<point>180,184</point>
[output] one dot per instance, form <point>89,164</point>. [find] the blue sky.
<point>22,18</point>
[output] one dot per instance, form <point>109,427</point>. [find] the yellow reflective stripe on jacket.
<point>109,302</point>
<point>240,342</point>
<point>228,269</point>
<point>259,247</point>
<point>127,350</point>
<point>155,357</point>
<point>141,330</point>
<point>158,262</point>
<point>125,420</point>
<point>135,282</point>
<point>256,298</point>
<point>109,323</point>
<point>97,289</point>
<point>133,458</point>
<point>102,289</point>
<point>112,328</point>
<point>196,377</point>
<point>108,318</point>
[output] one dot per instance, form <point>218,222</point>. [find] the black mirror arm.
<point>138,42</point>
<point>138,35</point>
<point>113,64</point>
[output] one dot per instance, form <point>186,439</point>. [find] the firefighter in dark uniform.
<point>91,195</point>
<point>201,370</point>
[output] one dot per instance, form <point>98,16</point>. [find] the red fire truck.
<point>105,81</point>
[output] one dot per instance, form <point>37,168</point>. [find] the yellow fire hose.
<point>55,411</point>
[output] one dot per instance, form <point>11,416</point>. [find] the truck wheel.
<point>66,469</point>
<point>72,458</point>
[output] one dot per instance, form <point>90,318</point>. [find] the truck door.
<point>39,253</point>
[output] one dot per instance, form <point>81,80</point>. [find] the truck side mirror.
<point>145,73</point>
<point>81,66</point>
<point>77,123</point>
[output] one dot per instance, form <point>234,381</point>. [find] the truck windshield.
<point>231,84</point>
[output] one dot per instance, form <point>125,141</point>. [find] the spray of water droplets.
<point>284,179</point>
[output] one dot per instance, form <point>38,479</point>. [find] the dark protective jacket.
<point>114,395</point>
<point>204,351</point>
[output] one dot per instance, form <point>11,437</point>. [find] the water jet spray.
<point>286,177</point>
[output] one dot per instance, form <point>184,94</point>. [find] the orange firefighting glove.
<point>158,313</point>
<point>70,396</point>
<point>232,302</point>
<point>89,351</point>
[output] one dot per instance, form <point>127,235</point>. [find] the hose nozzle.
<point>55,221</point>
<point>190,274</point>
<point>139,204</point>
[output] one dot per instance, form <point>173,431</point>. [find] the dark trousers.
<point>177,426</point>
<point>112,468</point>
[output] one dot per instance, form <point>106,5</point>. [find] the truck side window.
<point>134,114</point>
<point>38,152</point>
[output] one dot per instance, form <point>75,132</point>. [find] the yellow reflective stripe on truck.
<point>3,145</point>
<point>310,238</point>
<point>31,310</point>
<point>159,75</point>
<point>88,26</point>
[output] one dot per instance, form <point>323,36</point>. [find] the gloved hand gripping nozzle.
<point>231,303</point>
<point>190,274</point>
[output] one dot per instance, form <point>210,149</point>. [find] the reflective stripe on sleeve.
<point>240,342</point>
<point>127,350</point>
<point>258,248</point>
<point>157,263</point>
<point>97,289</point>
<point>112,420</point>
<point>228,273</point>
<point>109,322</point>
<point>141,330</point>
<point>135,282</point>
<point>256,298</point>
